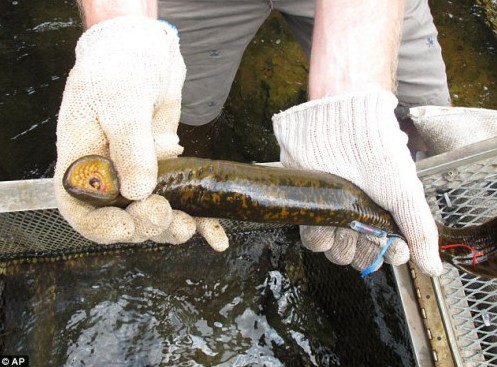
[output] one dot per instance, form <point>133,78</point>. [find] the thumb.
<point>420,230</point>
<point>424,250</point>
<point>131,147</point>
<point>164,127</point>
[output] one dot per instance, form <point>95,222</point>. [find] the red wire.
<point>476,253</point>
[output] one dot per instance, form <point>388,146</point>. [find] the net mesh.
<point>45,233</point>
<point>463,196</point>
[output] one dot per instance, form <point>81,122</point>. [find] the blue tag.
<point>376,264</point>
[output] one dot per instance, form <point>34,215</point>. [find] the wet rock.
<point>490,8</point>
<point>272,77</point>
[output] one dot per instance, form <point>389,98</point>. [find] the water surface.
<point>264,302</point>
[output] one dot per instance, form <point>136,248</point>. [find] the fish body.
<point>223,189</point>
<point>246,192</point>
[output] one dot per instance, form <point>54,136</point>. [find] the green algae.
<point>272,77</point>
<point>469,51</point>
<point>490,10</point>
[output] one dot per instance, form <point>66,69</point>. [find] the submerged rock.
<point>272,77</point>
<point>490,8</point>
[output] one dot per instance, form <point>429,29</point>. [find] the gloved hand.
<point>122,100</point>
<point>358,138</point>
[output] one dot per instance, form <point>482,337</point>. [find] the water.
<point>265,302</point>
<point>36,52</point>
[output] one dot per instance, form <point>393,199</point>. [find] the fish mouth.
<point>92,179</point>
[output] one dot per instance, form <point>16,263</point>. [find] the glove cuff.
<point>335,128</point>
<point>340,104</point>
<point>123,33</point>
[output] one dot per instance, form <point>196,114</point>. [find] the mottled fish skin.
<point>247,192</point>
<point>482,238</point>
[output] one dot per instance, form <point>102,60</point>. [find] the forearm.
<point>96,11</point>
<point>354,47</point>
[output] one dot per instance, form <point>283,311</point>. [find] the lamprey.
<point>241,191</point>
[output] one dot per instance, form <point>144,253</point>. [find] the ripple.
<point>55,25</point>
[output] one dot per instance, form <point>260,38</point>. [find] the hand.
<point>358,138</point>
<point>122,100</point>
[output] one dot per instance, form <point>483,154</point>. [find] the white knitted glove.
<point>447,128</point>
<point>122,100</point>
<point>358,138</point>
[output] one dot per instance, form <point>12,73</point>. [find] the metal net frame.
<point>462,191</point>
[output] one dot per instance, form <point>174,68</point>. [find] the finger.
<point>78,131</point>
<point>167,112</point>
<point>344,248</point>
<point>417,225</point>
<point>104,225</point>
<point>411,212</point>
<point>181,229</point>
<point>317,239</point>
<point>425,254</point>
<point>398,253</point>
<point>213,232</point>
<point>151,216</point>
<point>367,251</point>
<point>131,145</point>
<point>164,127</point>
